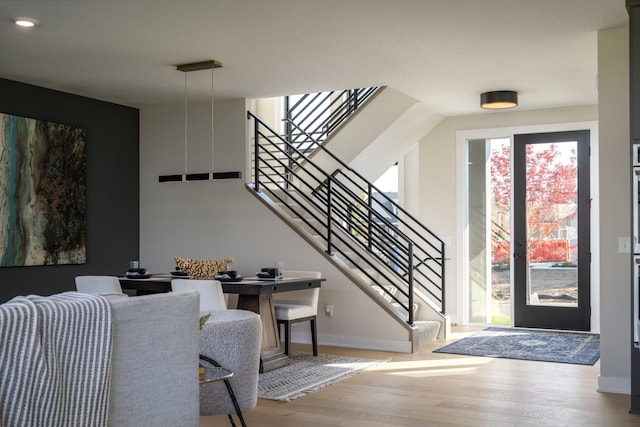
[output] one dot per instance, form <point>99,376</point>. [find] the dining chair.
<point>297,306</point>
<point>211,295</point>
<point>98,285</point>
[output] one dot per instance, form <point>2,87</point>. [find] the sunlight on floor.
<point>432,368</point>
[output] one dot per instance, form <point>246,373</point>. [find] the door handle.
<point>518,254</point>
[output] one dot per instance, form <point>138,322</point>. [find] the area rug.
<point>307,373</point>
<point>526,344</point>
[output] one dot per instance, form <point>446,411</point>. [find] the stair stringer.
<point>413,331</point>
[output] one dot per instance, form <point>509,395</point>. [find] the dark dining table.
<point>253,294</point>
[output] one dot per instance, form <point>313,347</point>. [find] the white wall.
<point>222,219</point>
<point>615,177</point>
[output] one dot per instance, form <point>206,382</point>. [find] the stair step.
<point>288,207</point>
<point>391,290</point>
<point>371,272</point>
<point>363,277</point>
<point>311,226</point>
<point>427,331</point>
<point>400,308</point>
<point>320,239</point>
<point>351,259</point>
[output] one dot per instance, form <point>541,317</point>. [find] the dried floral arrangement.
<point>203,268</point>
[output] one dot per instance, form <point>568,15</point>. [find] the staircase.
<point>381,248</point>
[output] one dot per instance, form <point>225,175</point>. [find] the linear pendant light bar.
<point>202,176</point>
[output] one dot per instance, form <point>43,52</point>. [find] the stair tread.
<point>427,331</point>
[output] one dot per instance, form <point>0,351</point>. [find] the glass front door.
<point>551,250</point>
<point>528,230</point>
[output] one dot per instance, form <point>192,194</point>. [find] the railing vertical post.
<point>370,216</point>
<point>289,137</point>
<point>442,282</point>
<point>329,218</point>
<point>256,156</point>
<point>410,279</point>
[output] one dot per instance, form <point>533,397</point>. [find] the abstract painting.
<point>42,192</point>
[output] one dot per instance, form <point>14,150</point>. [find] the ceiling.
<point>442,52</point>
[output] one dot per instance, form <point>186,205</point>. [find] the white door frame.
<point>462,254</point>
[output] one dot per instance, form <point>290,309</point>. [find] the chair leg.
<point>314,336</point>
<point>287,337</point>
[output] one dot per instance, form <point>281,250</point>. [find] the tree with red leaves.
<point>552,187</point>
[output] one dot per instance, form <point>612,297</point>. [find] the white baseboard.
<point>614,385</point>
<point>354,342</point>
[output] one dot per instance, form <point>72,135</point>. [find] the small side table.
<point>216,372</point>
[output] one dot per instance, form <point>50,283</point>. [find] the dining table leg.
<point>271,356</point>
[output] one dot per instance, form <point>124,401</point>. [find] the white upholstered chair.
<point>298,306</point>
<point>211,295</point>
<point>98,285</point>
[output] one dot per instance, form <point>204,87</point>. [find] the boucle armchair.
<point>233,338</point>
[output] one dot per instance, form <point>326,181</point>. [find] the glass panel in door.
<point>552,218</point>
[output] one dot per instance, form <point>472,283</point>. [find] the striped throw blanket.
<point>55,355</point>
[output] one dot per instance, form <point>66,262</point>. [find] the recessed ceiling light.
<point>25,22</point>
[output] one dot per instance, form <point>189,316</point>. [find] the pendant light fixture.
<point>499,99</point>
<point>200,176</point>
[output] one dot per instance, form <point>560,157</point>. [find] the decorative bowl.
<point>203,268</point>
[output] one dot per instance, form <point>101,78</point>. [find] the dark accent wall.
<point>113,197</point>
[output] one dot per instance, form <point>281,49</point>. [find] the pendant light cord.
<point>212,130</point>
<point>185,123</point>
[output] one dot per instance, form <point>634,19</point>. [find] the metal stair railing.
<point>428,247</point>
<point>349,223</point>
<point>308,208</point>
<point>320,114</point>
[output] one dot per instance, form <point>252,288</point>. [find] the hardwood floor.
<point>432,389</point>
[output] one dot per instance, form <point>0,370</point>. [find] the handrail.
<point>331,205</point>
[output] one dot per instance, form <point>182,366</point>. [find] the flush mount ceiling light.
<point>200,176</point>
<point>24,22</point>
<point>499,99</point>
